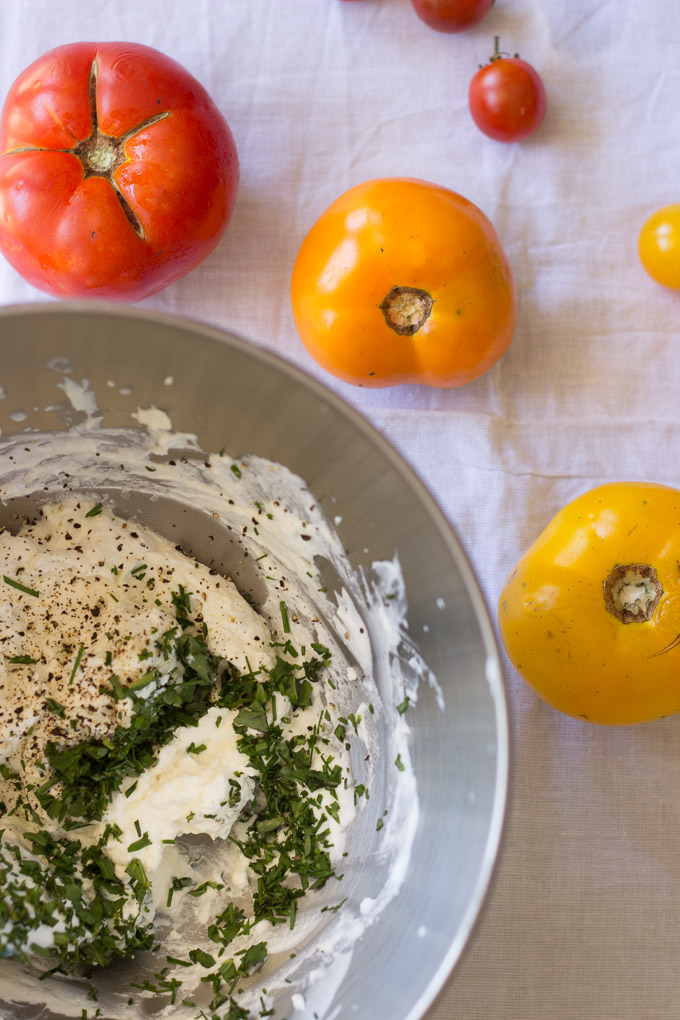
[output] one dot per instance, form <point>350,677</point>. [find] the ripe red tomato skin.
<point>67,233</point>
<point>507,99</point>
<point>451,15</point>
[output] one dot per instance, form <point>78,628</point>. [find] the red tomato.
<point>118,173</point>
<point>451,15</point>
<point>507,98</point>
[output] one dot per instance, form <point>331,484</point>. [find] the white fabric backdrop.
<point>584,916</point>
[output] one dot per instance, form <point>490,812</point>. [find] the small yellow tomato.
<point>590,616</point>
<point>403,281</point>
<point>659,246</point>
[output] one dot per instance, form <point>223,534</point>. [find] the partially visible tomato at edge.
<point>507,98</point>
<point>451,15</point>
<point>118,173</point>
<point>659,246</point>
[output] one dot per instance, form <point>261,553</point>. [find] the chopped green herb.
<point>56,707</point>
<point>95,511</point>
<point>23,660</point>
<point>205,959</point>
<point>139,844</point>
<point>180,963</point>
<point>76,664</point>
<point>20,587</point>
<point>334,910</point>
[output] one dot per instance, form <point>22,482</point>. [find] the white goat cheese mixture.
<point>216,788</point>
<point>143,699</point>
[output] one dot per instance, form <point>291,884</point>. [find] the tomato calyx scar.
<point>406,309</point>
<point>101,154</point>
<point>632,592</point>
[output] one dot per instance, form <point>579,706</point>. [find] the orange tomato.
<point>403,281</point>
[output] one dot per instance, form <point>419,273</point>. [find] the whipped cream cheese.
<point>178,835</point>
<point>105,627</point>
<point>87,596</point>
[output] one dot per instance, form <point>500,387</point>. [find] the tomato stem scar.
<point>406,309</point>
<point>632,592</point>
<point>101,155</point>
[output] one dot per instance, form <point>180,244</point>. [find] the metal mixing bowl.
<point>233,394</point>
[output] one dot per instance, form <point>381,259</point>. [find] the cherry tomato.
<point>659,246</point>
<point>451,15</point>
<point>507,98</point>
<point>403,281</point>
<point>118,173</point>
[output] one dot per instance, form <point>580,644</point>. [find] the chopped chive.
<point>20,587</point>
<point>96,509</point>
<point>76,664</point>
<point>139,844</point>
<point>284,617</point>
<point>180,963</point>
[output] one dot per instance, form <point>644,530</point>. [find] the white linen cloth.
<point>584,916</point>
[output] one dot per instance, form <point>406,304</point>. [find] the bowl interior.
<point>235,396</point>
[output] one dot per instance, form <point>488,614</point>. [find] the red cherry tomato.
<point>451,15</point>
<point>507,98</point>
<point>118,174</point>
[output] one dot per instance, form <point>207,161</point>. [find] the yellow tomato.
<point>590,616</point>
<point>659,246</point>
<point>403,281</point>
